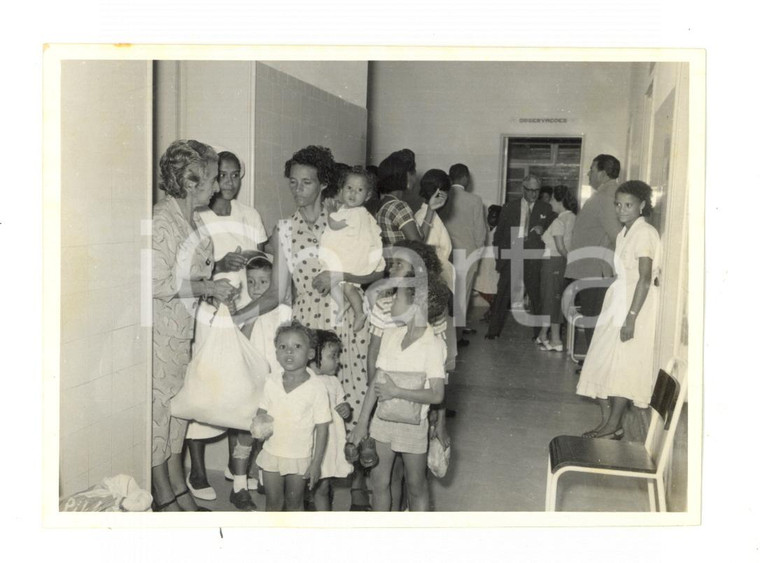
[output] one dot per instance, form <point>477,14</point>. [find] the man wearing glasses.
<point>521,224</point>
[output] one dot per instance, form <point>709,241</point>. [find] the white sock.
<point>239,482</point>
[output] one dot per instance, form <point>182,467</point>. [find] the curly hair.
<point>641,191</point>
<point>432,181</point>
<point>325,338</point>
<point>317,157</point>
<point>369,178</point>
<point>563,194</point>
<point>295,326</point>
<point>183,162</point>
<point>426,253</point>
<point>438,296</point>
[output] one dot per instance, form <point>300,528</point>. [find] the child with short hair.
<point>334,465</point>
<point>411,347</point>
<point>264,327</point>
<point>351,242</point>
<point>299,407</point>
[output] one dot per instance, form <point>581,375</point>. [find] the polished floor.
<point>510,400</point>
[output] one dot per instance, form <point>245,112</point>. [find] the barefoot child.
<point>351,243</point>
<point>299,407</point>
<point>334,464</point>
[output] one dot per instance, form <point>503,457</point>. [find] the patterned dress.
<point>179,253</point>
<point>299,246</point>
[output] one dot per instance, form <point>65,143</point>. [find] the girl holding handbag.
<point>409,378</point>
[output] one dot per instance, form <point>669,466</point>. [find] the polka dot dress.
<point>301,244</point>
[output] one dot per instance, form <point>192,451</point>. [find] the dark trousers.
<point>590,302</point>
<point>502,304</point>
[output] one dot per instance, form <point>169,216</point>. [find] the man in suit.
<point>464,217</point>
<point>529,218</point>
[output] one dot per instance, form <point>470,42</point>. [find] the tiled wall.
<point>105,194</point>
<point>291,114</point>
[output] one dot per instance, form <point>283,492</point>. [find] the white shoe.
<point>252,485</point>
<point>207,493</point>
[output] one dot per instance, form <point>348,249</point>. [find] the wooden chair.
<point>625,459</point>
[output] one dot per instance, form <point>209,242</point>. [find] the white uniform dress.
<point>334,463</point>
<point>625,369</point>
<point>243,228</point>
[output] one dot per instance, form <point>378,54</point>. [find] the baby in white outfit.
<point>351,244</point>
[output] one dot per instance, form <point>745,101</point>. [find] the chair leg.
<point>652,501</point>
<point>662,505</point>
<point>551,489</point>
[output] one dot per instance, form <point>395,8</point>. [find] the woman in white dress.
<point>238,235</point>
<point>619,363</point>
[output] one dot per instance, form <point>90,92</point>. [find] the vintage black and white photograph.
<point>361,282</point>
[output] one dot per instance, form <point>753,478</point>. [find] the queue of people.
<point>358,306</point>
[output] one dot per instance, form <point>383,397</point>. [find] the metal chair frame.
<point>626,459</point>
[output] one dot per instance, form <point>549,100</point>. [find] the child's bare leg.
<point>242,443</point>
<point>274,485</point>
<point>381,478</point>
<point>397,484</point>
<point>351,293</point>
<point>415,466</point>
<point>322,496</point>
<point>294,488</point>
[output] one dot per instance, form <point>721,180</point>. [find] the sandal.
<point>367,453</point>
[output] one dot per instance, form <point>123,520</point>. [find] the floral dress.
<point>299,245</point>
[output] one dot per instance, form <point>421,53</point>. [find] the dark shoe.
<point>491,336</point>
<point>351,452</point>
<point>242,500</point>
<point>367,453</point>
<point>161,507</point>
<point>468,330</point>
<point>461,343</point>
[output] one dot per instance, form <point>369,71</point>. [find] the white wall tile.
<point>100,311</point>
<point>121,432</point>
<point>74,454</point>
<point>99,439</point>
<point>122,393</point>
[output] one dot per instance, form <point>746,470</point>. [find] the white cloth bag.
<point>224,380</point>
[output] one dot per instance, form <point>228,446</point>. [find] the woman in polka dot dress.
<point>297,240</point>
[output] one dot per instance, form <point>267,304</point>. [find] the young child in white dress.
<point>299,408</point>
<point>351,243</point>
<point>334,465</point>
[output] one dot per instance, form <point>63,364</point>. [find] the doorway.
<point>555,160</point>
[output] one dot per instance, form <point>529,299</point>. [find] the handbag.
<point>401,410</point>
<point>225,379</point>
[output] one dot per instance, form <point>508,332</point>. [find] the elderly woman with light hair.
<point>183,261</point>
